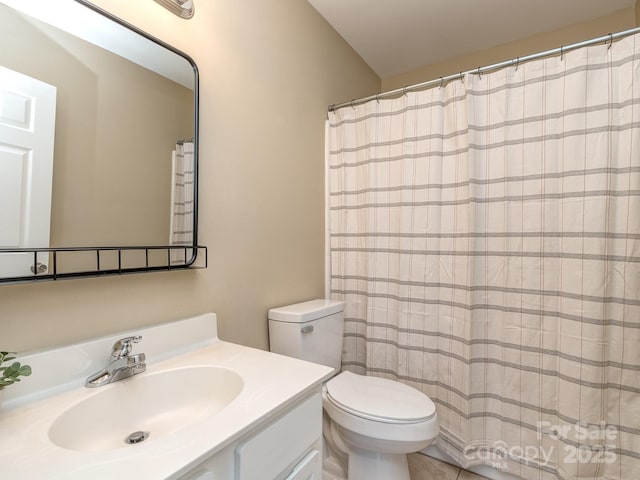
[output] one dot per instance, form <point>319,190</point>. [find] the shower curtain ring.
<point>404,90</point>
<point>610,41</point>
<point>441,82</point>
<point>378,97</point>
<point>462,77</point>
<point>479,74</point>
<point>561,52</point>
<point>353,100</point>
<point>517,63</point>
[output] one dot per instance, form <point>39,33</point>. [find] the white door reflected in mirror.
<point>27,128</point>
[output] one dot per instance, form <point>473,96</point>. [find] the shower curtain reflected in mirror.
<point>182,202</point>
<point>485,236</point>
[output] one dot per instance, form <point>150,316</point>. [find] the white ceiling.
<point>397,36</point>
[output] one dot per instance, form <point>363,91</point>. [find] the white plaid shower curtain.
<point>485,236</point>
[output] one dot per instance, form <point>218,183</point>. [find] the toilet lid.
<point>379,398</point>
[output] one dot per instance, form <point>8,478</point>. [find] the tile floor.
<point>423,467</point>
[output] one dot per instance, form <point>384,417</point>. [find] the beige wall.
<point>615,22</point>
<point>268,70</point>
<point>637,13</point>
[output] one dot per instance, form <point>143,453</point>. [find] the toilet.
<point>370,424</point>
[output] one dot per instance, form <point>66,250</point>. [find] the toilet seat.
<point>379,399</point>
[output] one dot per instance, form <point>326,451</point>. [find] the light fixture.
<point>182,8</point>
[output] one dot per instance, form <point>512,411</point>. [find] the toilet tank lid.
<point>306,311</point>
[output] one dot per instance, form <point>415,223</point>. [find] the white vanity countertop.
<point>272,384</point>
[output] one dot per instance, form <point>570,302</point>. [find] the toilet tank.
<point>310,331</point>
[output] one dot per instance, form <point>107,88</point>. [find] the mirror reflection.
<point>95,148</point>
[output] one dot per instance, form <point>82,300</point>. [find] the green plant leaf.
<point>12,370</point>
<point>10,374</point>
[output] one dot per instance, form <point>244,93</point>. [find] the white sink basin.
<point>154,403</point>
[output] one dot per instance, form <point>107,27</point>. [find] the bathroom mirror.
<point>98,143</point>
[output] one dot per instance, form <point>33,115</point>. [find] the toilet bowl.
<point>376,422</point>
<point>370,423</point>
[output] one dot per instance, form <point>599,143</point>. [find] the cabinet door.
<point>271,453</point>
<point>309,468</point>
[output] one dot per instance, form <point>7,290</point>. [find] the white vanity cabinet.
<point>265,420</point>
<point>288,447</point>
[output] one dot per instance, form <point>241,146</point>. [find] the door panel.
<point>27,128</point>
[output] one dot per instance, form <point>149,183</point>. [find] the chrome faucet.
<point>122,365</point>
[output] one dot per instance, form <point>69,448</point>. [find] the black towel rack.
<point>75,262</point>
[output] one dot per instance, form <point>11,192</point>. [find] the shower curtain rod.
<point>496,66</point>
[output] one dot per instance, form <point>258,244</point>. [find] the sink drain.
<point>136,437</point>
